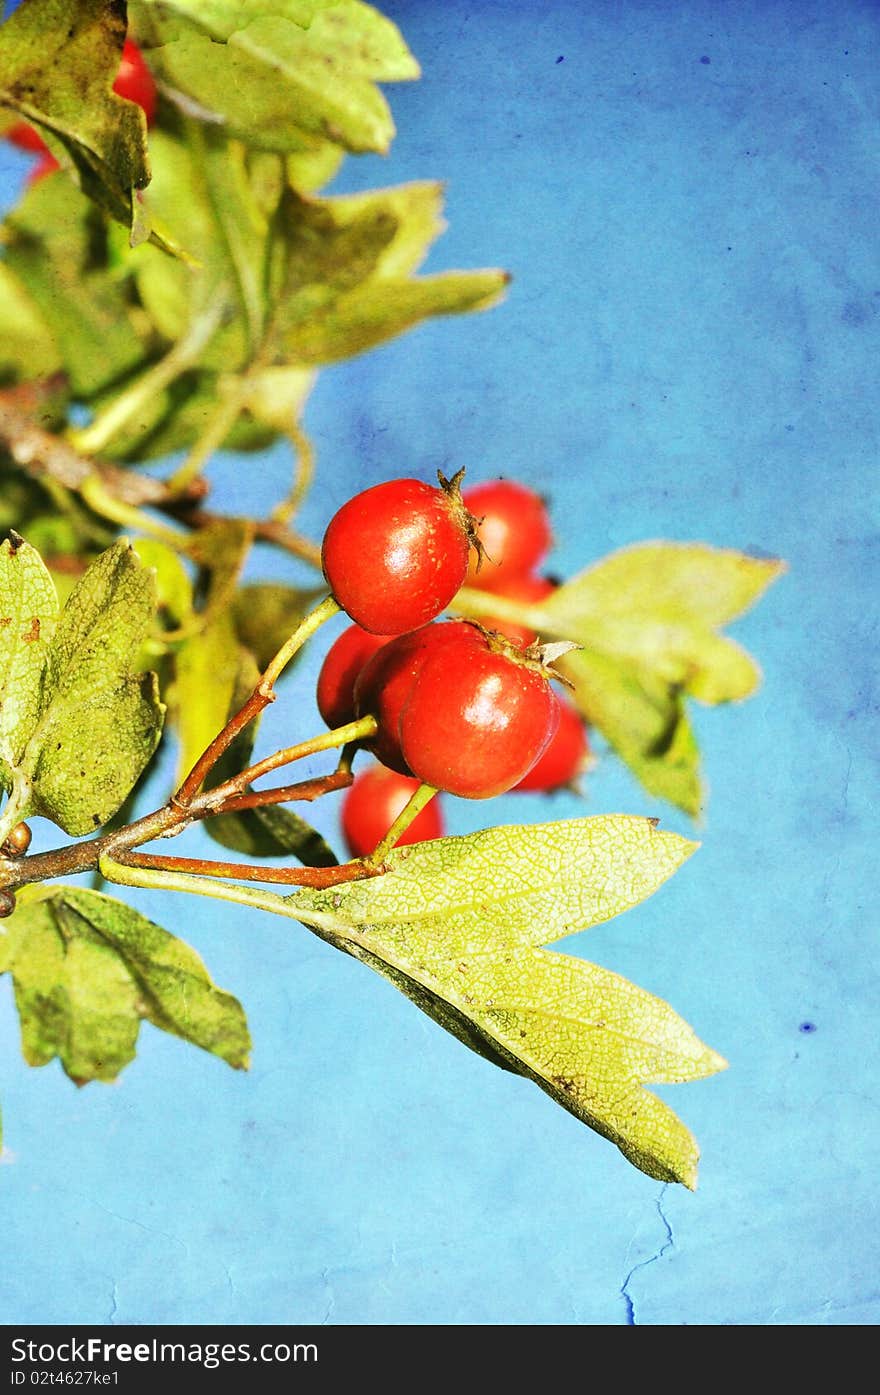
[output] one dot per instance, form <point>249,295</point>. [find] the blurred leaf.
<point>176,418</point>
<point>99,721</point>
<point>56,246</point>
<point>281,75</point>
<point>266,613</point>
<point>202,195</point>
<point>309,170</point>
<point>383,309</point>
<point>417,210</point>
<point>339,281</point>
<point>27,349</point>
<point>58,62</point>
<point>28,613</point>
<point>458,924</point>
<point>273,831</point>
<point>646,620</point>
<point>206,665</point>
<point>220,548</point>
<point>88,969</point>
<point>205,669</point>
<point>277,396</point>
<point>174,592</point>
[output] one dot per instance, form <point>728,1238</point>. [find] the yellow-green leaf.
<point>286,76</point>
<point>646,622</point>
<point>56,245</point>
<point>58,62</point>
<point>88,969</point>
<point>458,925</point>
<point>266,613</point>
<point>100,721</point>
<point>27,348</point>
<point>206,666</point>
<point>28,612</point>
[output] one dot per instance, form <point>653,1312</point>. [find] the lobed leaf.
<point>58,62</point>
<point>458,925</point>
<point>99,720</point>
<point>289,75</point>
<point>88,969</point>
<point>341,281</point>
<point>645,622</point>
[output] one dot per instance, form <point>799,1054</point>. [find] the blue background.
<point>686,195</point>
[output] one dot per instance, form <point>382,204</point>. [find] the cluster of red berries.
<point>134,81</point>
<point>458,706</point>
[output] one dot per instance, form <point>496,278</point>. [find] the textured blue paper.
<point>686,195</point>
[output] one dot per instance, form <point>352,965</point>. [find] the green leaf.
<point>340,273</point>
<point>458,925</point>
<point>383,309</point>
<point>273,831</point>
<point>100,721</point>
<point>58,62</point>
<point>176,418</point>
<point>220,549</point>
<point>88,969</point>
<point>28,613</point>
<point>56,246</point>
<point>201,194</point>
<point>287,76</point>
<point>174,592</point>
<point>646,621</point>
<point>266,613</point>
<point>27,348</point>
<point>645,721</point>
<point>206,667</point>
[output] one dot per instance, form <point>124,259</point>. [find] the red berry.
<point>134,81</point>
<point>339,673</point>
<point>372,804</point>
<point>513,527</point>
<point>386,680</point>
<point>527,589</point>
<point>478,717</point>
<point>395,555</point>
<point>563,758</point>
<point>26,137</point>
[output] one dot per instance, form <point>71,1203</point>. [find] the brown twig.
<point>305,791</point>
<point>318,877</point>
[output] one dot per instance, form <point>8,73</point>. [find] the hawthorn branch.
<point>168,822</point>
<point>44,456</point>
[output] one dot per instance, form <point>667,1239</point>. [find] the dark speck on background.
<point>705,58</point>
<point>807,1027</point>
<point>561,58</point>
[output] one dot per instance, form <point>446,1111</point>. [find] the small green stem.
<point>422,796</point>
<point>157,879</point>
<point>98,497</point>
<point>94,438</point>
<point>258,700</point>
<point>359,730</point>
<point>303,475</point>
<point>474,604</point>
<point>155,873</point>
<point>218,427</point>
<point>307,627</point>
